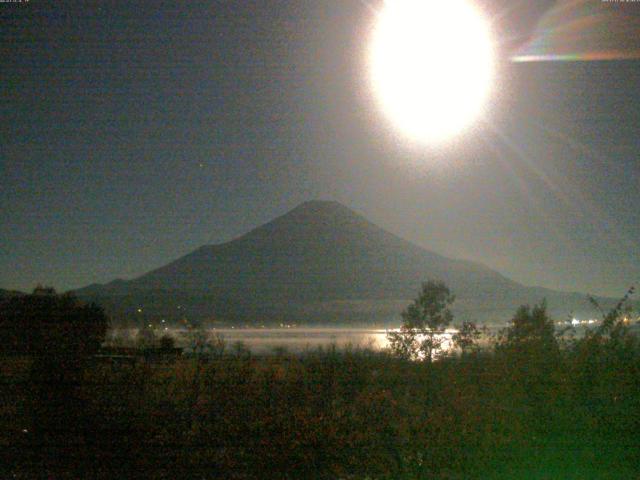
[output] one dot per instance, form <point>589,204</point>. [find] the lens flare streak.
<point>582,31</point>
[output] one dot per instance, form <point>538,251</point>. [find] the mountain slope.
<point>319,262</point>
<point>5,294</point>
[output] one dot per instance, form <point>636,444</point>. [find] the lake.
<point>267,340</point>
<point>295,340</point>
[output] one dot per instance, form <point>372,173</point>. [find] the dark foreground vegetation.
<point>532,406</point>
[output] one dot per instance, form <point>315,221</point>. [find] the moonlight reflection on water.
<point>294,340</point>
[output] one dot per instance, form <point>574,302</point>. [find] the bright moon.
<point>431,65</point>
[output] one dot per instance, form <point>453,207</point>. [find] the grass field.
<point>329,414</point>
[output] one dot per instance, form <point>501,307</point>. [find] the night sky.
<point>135,132</point>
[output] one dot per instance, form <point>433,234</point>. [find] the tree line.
<point>533,405</point>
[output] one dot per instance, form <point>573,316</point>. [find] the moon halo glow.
<point>431,66</point>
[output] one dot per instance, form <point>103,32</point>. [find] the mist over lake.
<point>270,340</point>
<point>297,340</point>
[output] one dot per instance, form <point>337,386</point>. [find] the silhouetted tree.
<point>466,337</point>
<point>58,332</point>
<point>603,355</point>
<point>531,330</point>
<point>49,324</point>
<point>424,321</point>
<point>167,342</point>
<point>530,351</point>
<point>612,321</point>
